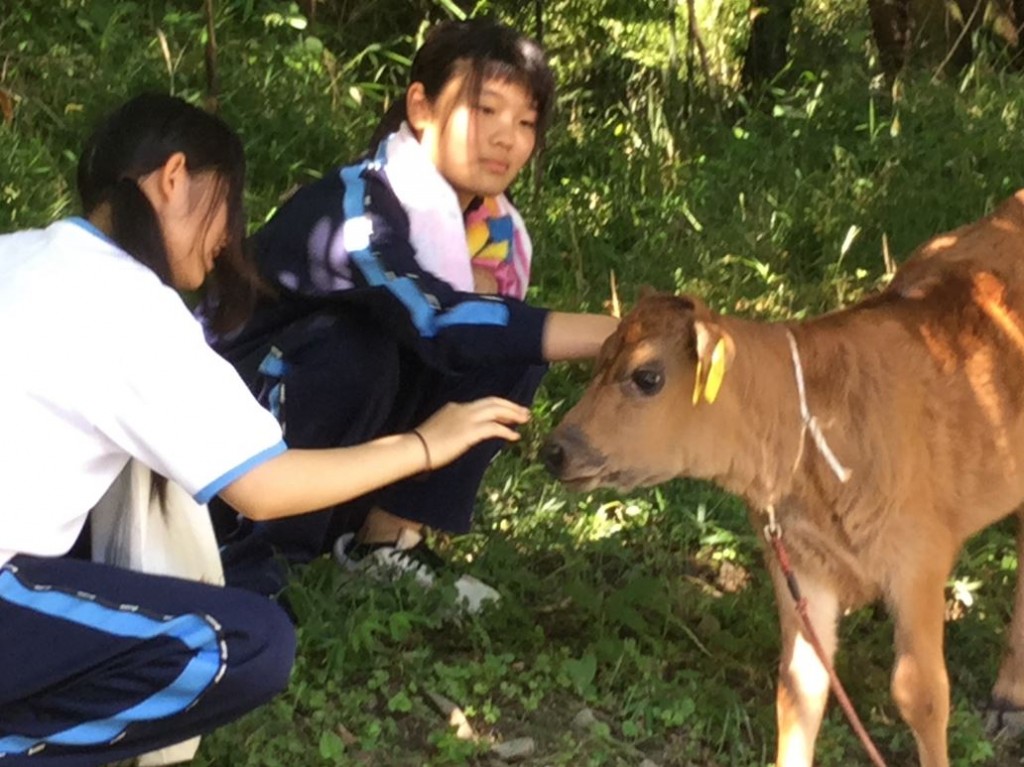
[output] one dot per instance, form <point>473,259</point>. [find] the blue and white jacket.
<point>346,238</point>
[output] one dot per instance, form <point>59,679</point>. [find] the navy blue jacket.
<point>448,329</point>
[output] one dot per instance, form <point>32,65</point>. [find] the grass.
<point>651,610</point>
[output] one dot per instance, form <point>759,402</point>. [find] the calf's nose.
<point>552,455</point>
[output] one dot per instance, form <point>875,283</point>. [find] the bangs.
<point>529,81</point>
<point>527,69</point>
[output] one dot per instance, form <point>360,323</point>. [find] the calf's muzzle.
<point>569,456</point>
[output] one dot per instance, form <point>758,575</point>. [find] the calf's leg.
<point>803,681</point>
<point>920,685</point>
<point>1008,693</point>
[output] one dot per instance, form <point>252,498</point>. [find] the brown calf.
<point>907,439</point>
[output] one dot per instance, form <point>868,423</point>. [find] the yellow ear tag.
<point>698,386</point>
<point>716,372</point>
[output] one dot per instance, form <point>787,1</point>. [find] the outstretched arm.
<point>298,481</point>
<point>575,336</point>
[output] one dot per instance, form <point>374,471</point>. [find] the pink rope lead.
<point>774,535</point>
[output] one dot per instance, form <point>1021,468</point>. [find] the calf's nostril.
<point>552,455</point>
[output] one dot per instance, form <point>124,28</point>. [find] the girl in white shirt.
<point>100,663</point>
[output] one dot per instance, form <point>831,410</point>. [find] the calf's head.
<point>645,416</point>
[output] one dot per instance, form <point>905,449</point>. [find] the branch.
<point>956,43</point>
<point>212,80</point>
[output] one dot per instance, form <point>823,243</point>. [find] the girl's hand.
<point>455,428</point>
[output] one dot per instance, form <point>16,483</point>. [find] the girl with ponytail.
<point>100,663</point>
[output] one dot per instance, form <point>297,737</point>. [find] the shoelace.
<point>419,554</point>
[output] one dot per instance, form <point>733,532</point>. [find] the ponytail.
<point>136,228</point>
<point>389,123</point>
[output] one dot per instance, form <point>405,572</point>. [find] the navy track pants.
<point>345,380</point>
<point>98,663</point>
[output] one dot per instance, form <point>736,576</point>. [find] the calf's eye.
<point>648,381</point>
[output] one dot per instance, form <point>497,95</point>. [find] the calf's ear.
<point>715,352</point>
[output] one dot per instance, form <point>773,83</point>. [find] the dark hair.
<point>138,138</point>
<point>482,49</point>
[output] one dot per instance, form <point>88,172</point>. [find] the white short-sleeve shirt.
<point>100,362</point>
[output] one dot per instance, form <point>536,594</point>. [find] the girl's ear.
<point>167,183</point>
<point>418,108</point>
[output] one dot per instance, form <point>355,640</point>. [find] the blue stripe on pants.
<point>91,654</point>
<point>194,631</point>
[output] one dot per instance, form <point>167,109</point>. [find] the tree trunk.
<point>892,26</point>
<point>939,32</point>
<point>1018,22</point>
<point>768,49</point>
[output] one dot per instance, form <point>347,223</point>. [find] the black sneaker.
<point>409,555</point>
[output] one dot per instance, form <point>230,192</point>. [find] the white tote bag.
<point>133,527</point>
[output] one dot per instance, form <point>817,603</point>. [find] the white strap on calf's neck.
<point>810,422</point>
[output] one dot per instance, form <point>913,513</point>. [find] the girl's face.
<point>193,215</point>
<point>479,148</point>
<point>194,244</point>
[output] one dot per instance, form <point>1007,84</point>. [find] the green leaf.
<point>581,672</point>
<point>452,9</point>
<point>399,625</point>
<point>400,702</point>
<point>332,747</point>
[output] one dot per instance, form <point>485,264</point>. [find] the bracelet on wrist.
<point>426,449</point>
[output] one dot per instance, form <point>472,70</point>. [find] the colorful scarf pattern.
<point>496,244</point>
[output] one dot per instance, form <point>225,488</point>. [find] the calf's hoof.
<point>1004,719</point>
